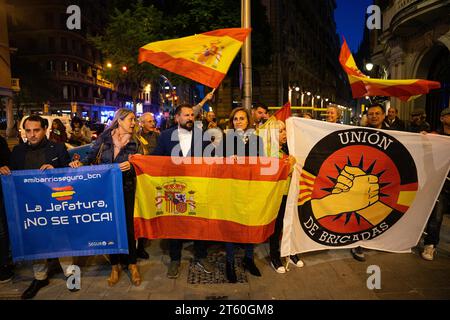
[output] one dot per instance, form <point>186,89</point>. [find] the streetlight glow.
<point>369,66</point>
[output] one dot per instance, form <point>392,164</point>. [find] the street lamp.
<point>369,66</point>
<point>124,68</point>
<point>109,65</point>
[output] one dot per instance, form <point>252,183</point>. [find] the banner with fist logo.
<point>356,186</point>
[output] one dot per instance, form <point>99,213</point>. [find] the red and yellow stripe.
<point>63,193</point>
<point>204,58</point>
<point>306,182</point>
<point>226,202</point>
<point>362,85</point>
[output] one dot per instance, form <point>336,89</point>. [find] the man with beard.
<point>259,114</point>
<point>183,140</point>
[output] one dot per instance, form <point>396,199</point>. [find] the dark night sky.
<point>349,16</point>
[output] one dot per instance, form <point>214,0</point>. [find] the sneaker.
<point>358,254</point>
<point>296,261</point>
<point>173,271</point>
<point>428,252</point>
<point>277,265</point>
<point>204,265</point>
<point>6,274</point>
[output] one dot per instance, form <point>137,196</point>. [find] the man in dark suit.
<point>183,140</point>
<point>38,153</point>
<point>392,121</point>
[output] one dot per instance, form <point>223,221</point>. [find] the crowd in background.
<point>127,135</point>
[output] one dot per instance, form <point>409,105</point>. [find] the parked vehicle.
<point>97,129</point>
<point>64,119</point>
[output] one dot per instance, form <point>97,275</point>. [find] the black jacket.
<point>55,154</point>
<point>106,155</point>
<point>241,144</point>
<point>166,145</point>
<point>398,124</point>
<point>4,152</point>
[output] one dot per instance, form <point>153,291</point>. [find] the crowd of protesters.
<point>128,135</point>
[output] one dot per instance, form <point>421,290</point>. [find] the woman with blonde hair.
<point>274,239</point>
<point>333,113</point>
<point>115,145</point>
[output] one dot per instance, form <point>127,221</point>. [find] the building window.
<point>50,65</point>
<point>64,44</point>
<point>51,43</point>
<point>75,46</point>
<point>48,19</point>
<point>65,66</point>
<point>65,93</point>
<point>63,20</point>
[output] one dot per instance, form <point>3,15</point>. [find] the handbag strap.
<point>99,154</point>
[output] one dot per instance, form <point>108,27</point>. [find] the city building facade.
<point>61,69</point>
<point>8,85</point>
<point>414,43</point>
<point>304,66</point>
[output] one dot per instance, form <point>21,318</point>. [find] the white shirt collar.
<point>185,137</point>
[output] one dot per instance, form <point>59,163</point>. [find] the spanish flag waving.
<point>362,85</point>
<point>219,202</point>
<point>204,57</point>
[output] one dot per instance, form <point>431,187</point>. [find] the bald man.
<point>148,131</point>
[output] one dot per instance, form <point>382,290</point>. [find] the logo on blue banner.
<point>65,212</point>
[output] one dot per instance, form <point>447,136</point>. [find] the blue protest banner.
<point>65,212</point>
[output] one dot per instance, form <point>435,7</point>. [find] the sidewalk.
<point>331,274</point>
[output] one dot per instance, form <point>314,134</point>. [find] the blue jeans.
<point>229,248</point>
<point>435,221</point>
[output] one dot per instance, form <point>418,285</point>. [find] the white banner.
<point>357,186</point>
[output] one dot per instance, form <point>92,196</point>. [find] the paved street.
<point>332,274</point>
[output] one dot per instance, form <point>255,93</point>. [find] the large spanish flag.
<point>204,57</point>
<point>362,85</point>
<point>218,202</point>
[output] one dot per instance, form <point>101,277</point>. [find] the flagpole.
<point>246,56</point>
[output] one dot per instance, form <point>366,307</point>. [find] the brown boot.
<point>114,277</point>
<point>135,276</point>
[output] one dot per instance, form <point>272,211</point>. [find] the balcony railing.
<point>104,83</point>
<point>99,102</point>
<point>73,76</point>
<point>15,84</point>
